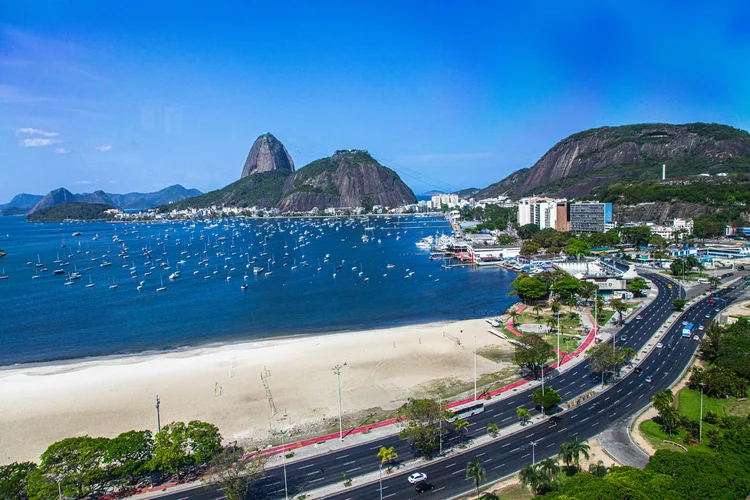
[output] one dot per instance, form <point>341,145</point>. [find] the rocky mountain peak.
<point>267,154</point>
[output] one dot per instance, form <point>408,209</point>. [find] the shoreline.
<point>218,344</point>
<point>105,396</point>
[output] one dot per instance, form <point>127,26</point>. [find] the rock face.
<point>658,211</point>
<point>349,178</point>
<point>584,161</point>
<point>56,197</point>
<point>266,155</point>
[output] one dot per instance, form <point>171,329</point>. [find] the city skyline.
<point>114,99</point>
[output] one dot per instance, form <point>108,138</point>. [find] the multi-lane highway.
<point>510,453</point>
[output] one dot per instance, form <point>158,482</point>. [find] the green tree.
<point>204,441</point>
<point>531,477</point>
<point>531,288</point>
<point>555,306</point>
<point>493,429</point>
<point>129,455</point>
<point>603,358</point>
<point>572,450</point>
<point>421,425</point>
<point>548,400</point>
<point>637,236</point>
<point>14,479</point>
<point>598,469</point>
<point>679,303</point>
<point>678,268</point>
<point>77,463</point>
<point>529,248</point>
<point>549,468</point>
<point>462,427</point>
<point>476,472</point>
<point>526,231</point>
<point>637,286</point>
<point>171,454</point>
<point>537,311</point>
<point>387,456</point>
<point>663,399</point>
<point>669,418</point>
<point>531,352</point>
<point>567,287</point>
<point>523,415</point>
<point>577,248</point>
<point>619,306</point>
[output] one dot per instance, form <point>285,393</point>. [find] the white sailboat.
<point>5,276</point>
<point>162,287</point>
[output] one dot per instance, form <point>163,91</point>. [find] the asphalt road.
<point>507,455</point>
<point>504,455</point>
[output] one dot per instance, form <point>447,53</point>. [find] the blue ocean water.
<point>43,319</point>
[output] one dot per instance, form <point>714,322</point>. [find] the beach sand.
<point>222,385</point>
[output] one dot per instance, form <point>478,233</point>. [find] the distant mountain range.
<point>23,204</point>
<point>349,178</point>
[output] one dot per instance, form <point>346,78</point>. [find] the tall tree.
<point>546,400</point>
<point>663,399</point>
<point>236,473</point>
<point>531,478</point>
<point>129,454</point>
<point>171,453</point>
<point>531,352</point>
<point>14,479</point>
<point>619,306</point>
<point>421,425</point>
<point>387,456</point>
<point>77,463</point>
<point>572,450</point>
<point>476,472</point>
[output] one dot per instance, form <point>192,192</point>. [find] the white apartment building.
<point>539,211</point>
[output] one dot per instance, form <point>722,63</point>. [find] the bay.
<point>43,319</point>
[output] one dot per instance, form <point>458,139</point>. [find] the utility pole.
<point>380,471</point>
<point>558,340</point>
<point>440,436</point>
<point>158,415</point>
<point>283,453</point>
<point>533,456</point>
<point>337,371</point>
<point>475,367</point>
<point>59,489</point>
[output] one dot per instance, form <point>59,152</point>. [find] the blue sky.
<point>135,96</point>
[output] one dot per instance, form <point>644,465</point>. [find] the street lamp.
<point>533,457</point>
<point>380,471</point>
<point>59,489</point>
<point>700,422</point>
<point>337,371</point>
<point>475,367</point>
<point>158,416</point>
<point>283,454</point>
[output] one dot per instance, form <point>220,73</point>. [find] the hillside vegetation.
<point>71,211</point>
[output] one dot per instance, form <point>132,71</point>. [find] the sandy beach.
<point>104,397</point>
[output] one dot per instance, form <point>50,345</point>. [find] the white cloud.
<point>62,151</point>
<point>36,142</point>
<point>83,183</point>
<point>36,131</point>
<point>103,147</point>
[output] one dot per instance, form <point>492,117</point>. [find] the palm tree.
<point>461,427</point>
<point>599,306</point>
<point>571,303</point>
<point>549,468</point>
<point>531,478</point>
<point>598,469</point>
<point>387,455</point>
<point>663,399</point>
<point>618,305</point>
<point>537,311</point>
<point>493,429</point>
<point>555,306</point>
<point>514,316</point>
<point>523,414</point>
<point>475,471</point>
<point>670,419</point>
<point>571,451</point>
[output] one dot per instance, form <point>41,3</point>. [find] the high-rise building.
<point>539,211</point>
<point>589,216</point>
<point>562,222</point>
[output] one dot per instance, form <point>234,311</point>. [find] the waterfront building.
<point>539,211</point>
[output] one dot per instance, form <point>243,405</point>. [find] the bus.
<point>687,330</point>
<point>466,410</point>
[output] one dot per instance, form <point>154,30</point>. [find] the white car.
<point>638,317</point>
<point>659,345</point>
<point>701,328</point>
<point>417,477</point>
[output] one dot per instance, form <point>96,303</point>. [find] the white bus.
<point>466,410</point>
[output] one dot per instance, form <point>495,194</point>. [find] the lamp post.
<point>533,457</point>
<point>380,472</point>
<point>558,340</point>
<point>283,454</point>
<point>337,371</point>
<point>700,421</point>
<point>59,489</point>
<point>475,367</point>
<point>158,415</point>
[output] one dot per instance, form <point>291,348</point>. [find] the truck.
<point>687,330</point>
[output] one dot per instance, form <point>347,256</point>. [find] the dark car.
<point>554,420</point>
<point>423,486</point>
<point>637,370</point>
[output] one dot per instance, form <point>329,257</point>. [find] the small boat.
<point>162,287</point>
<point>78,233</point>
<point>243,287</point>
<point>90,283</point>
<point>5,276</point>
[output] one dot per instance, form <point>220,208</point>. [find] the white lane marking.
<point>352,470</point>
<point>342,456</point>
<point>450,465</point>
<point>349,463</point>
<point>305,466</point>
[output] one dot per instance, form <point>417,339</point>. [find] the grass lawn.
<point>513,492</point>
<point>568,344</point>
<point>604,316</point>
<point>566,322</point>
<point>688,405</point>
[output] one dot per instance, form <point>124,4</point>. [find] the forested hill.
<point>71,211</point>
<point>583,162</point>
